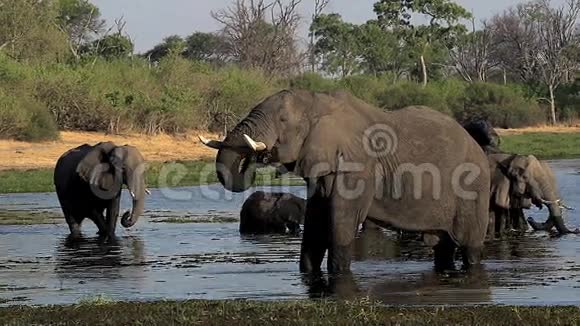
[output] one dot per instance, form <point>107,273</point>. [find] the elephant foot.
<point>471,256</point>
<point>339,259</point>
<point>75,231</point>
<point>444,253</point>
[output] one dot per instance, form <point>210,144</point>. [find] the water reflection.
<point>98,258</point>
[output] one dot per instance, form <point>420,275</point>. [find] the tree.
<point>382,51</point>
<point>425,42</point>
<point>319,6</point>
<point>472,54</point>
<point>81,20</point>
<point>262,35</point>
<point>208,47</point>
<point>173,44</point>
<point>557,38</point>
<point>338,44</point>
<point>539,44</point>
<point>28,30</point>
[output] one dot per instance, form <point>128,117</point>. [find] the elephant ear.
<point>329,148</point>
<point>94,166</point>
<point>500,189</point>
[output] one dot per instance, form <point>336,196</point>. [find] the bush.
<point>367,88</point>
<point>24,118</point>
<point>313,82</point>
<point>405,94</point>
<point>503,106</point>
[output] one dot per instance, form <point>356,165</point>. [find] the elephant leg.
<point>99,220</point>
<point>315,237</point>
<point>349,208</point>
<point>491,225</point>
<point>74,224</point>
<point>444,253</point>
<point>471,256</point>
<point>113,215</point>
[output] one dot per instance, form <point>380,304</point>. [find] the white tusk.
<point>210,143</point>
<point>147,191</point>
<point>256,146</point>
<point>132,194</point>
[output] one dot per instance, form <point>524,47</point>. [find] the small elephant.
<point>518,181</point>
<point>89,179</point>
<point>272,212</point>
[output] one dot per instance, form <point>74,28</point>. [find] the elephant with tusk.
<point>517,182</point>
<point>89,180</point>
<point>335,141</point>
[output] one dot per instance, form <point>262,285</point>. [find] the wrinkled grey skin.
<point>89,179</point>
<point>272,212</point>
<point>312,133</point>
<point>526,180</point>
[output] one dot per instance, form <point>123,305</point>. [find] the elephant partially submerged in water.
<point>88,181</point>
<point>412,169</point>
<point>272,212</point>
<point>517,182</point>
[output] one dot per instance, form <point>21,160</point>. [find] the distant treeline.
<point>63,68</point>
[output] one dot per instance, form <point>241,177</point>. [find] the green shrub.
<point>503,106</point>
<point>365,87</point>
<point>313,82</point>
<point>24,118</point>
<point>405,94</point>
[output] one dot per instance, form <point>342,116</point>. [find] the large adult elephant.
<point>272,212</point>
<point>89,179</point>
<point>525,179</point>
<point>412,169</point>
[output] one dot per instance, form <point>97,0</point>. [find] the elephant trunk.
<point>137,190</point>
<point>130,218</point>
<point>236,161</point>
<point>555,219</point>
<point>235,170</point>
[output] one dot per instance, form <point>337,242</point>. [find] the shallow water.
<point>212,261</point>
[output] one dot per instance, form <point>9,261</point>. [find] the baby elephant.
<point>265,212</point>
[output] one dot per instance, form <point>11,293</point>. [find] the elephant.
<point>272,212</point>
<point>526,180</point>
<point>507,194</point>
<point>360,162</point>
<point>485,135</point>
<point>88,181</point>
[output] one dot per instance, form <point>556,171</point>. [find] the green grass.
<point>237,312</point>
<point>172,174</point>
<point>28,217</point>
<point>543,145</point>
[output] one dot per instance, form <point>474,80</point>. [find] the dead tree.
<point>262,34</point>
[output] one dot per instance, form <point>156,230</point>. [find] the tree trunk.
<point>424,70</point>
<point>504,77</point>
<point>552,104</point>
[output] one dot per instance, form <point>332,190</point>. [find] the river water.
<point>154,261</point>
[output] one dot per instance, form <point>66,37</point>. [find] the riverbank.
<point>183,161</point>
<point>202,312</point>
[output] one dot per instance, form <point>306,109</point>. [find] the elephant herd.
<point>413,170</point>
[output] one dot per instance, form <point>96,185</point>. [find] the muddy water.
<point>212,261</point>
